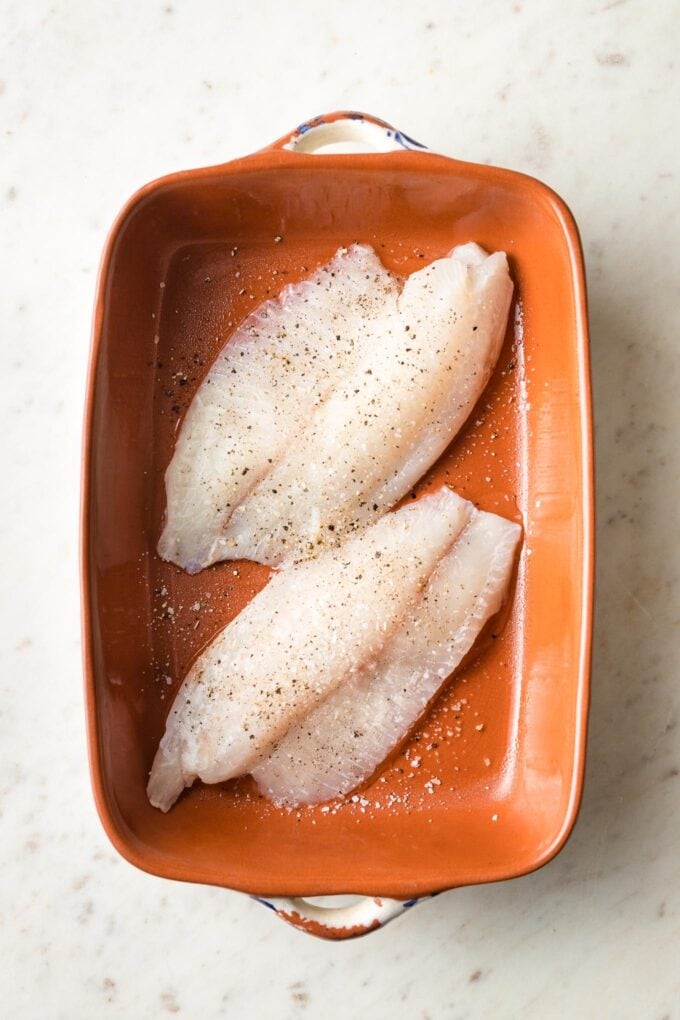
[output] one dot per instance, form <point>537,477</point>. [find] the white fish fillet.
<point>388,420</point>
<point>341,743</point>
<point>276,369</point>
<point>310,628</point>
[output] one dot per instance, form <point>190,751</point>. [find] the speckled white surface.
<point>96,98</point>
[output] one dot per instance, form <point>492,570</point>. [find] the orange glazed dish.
<point>487,785</point>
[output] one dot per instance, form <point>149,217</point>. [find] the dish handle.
<point>369,914</point>
<point>345,131</point>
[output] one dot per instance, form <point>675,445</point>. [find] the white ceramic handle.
<point>369,913</point>
<point>356,132</point>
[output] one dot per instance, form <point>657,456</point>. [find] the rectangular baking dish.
<point>500,756</point>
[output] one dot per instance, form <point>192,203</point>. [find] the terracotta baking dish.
<point>184,262</point>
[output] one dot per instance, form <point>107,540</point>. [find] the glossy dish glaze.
<point>488,785</point>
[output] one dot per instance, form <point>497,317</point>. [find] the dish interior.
<point>486,786</point>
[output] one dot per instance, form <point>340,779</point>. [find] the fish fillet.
<point>341,742</point>
<point>386,421</point>
<point>309,629</point>
<point>277,368</point>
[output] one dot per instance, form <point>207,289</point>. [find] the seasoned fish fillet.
<point>312,627</point>
<point>258,396</point>
<point>341,742</point>
<point>387,420</point>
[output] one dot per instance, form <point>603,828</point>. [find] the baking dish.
<point>182,265</point>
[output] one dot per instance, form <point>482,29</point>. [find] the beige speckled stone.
<point>97,98</point>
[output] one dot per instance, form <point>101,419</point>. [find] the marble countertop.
<point>97,98</point>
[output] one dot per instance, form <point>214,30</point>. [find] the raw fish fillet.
<point>310,628</point>
<point>386,421</point>
<point>341,743</point>
<point>259,394</point>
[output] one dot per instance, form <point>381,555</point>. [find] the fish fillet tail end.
<point>166,781</point>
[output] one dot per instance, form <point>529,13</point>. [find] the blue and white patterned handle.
<point>370,913</point>
<point>348,132</point>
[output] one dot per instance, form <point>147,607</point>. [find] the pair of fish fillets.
<point>318,416</point>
